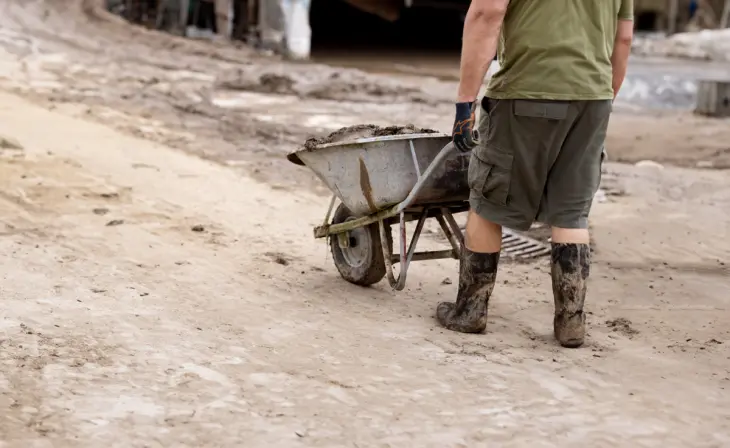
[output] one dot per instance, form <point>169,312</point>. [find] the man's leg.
<point>483,241</point>
<point>477,275</point>
<point>240,20</point>
<point>571,186</point>
<point>570,268</point>
<point>514,142</point>
<point>482,236</point>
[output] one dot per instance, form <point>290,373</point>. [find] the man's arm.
<point>621,52</point>
<point>622,44</point>
<point>481,35</point>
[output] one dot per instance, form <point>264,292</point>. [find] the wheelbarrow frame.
<point>402,213</point>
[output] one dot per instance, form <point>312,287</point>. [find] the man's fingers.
<point>463,134</point>
<point>464,144</point>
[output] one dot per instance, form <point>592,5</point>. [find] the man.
<point>203,15</point>
<point>241,20</point>
<point>540,140</point>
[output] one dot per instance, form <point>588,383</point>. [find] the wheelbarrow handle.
<point>435,163</point>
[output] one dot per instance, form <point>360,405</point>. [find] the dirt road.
<point>156,298</point>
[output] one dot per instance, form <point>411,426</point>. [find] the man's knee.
<point>572,236</point>
<point>482,235</point>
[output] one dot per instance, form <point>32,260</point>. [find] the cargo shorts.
<point>538,161</point>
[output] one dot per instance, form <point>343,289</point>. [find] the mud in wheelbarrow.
<point>382,182</point>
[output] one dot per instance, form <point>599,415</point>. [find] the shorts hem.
<point>581,223</point>
<point>487,212</point>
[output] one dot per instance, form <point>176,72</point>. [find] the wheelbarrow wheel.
<point>361,262</point>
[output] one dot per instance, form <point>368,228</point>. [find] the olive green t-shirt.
<point>558,49</point>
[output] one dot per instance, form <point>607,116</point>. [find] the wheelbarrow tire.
<point>362,263</point>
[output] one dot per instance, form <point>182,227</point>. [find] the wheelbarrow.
<point>382,182</point>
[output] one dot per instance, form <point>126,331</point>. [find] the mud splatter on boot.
<point>477,274</point>
<point>570,271</point>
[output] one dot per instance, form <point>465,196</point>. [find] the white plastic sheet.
<point>285,27</point>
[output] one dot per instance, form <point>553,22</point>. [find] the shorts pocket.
<point>490,174</point>
<point>541,109</point>
<point>486,117</point>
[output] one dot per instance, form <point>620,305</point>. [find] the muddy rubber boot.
<point>477,274</point>
<point>570,269</point>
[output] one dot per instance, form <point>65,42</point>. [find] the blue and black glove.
<point>465,139</point>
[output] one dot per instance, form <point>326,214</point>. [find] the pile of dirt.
<point>319,82</point>
<point>263,83</point>
<point>348,85</point>
<point>351,133</point>
<point>623,326</point>
<point>364,131</point>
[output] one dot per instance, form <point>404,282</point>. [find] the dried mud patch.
<point>623,326</point>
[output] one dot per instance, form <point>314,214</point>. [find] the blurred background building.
<point>297,28</point>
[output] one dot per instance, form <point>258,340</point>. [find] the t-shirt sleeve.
<point>626,12</point>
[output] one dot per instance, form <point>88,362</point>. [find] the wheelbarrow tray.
<point>371,174</point>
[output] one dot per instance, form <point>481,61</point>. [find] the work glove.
<point>464,136</point>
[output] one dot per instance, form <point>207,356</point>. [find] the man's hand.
<point>463,133</point>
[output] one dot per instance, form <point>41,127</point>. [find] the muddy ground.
<point>161,286</point>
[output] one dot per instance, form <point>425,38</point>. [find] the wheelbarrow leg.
<point>406,254</point>
<point>453,239</point>
<point>453,225</point>
<point>329,210</point>
<point>396,283</point>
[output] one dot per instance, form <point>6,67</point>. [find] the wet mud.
<point>477,276</point>
<point>200,249</point>
<point>351,133</point>
<point>364,131</point>
<point>570,269</point>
